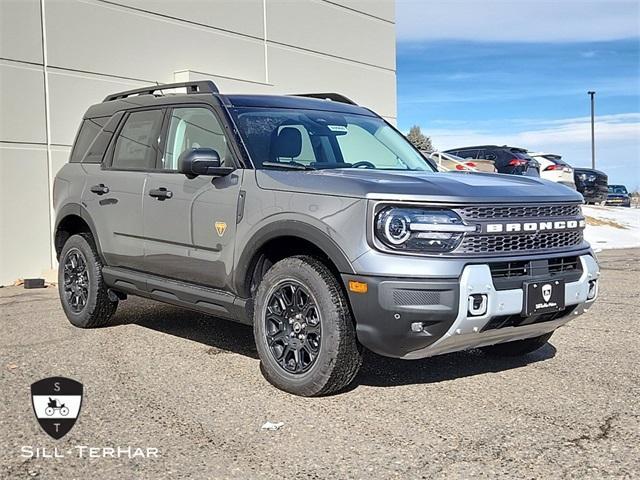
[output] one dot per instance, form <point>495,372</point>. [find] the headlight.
<point>420,229</point>
<point>587,177</point>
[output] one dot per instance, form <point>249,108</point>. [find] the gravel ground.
<point>190,386</point>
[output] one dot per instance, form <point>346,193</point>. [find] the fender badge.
<point>221,227</point>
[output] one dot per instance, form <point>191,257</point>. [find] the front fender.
<point>301,226</point>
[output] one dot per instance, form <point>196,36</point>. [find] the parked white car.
<point>553,168</point>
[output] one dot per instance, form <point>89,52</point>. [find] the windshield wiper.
<point>287,166</point>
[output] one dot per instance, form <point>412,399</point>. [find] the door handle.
<point>161,193</point>
<point>100,189</point>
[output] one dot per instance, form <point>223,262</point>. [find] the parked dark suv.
<point>318,223</point>
<point>512,160</point>
<point>619,196</point>
<point>592,184</point>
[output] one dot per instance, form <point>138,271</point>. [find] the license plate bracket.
<point>544,296</point>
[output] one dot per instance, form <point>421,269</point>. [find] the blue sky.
<point>517,72</point>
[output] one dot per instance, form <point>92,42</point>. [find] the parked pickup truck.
<point>314,220</point>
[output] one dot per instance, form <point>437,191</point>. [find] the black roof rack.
<point>334,97</point>
<point>204,86</point>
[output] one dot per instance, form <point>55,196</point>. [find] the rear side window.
<point>96,150</point>
<point>136,147</point>
<point>89,130</point>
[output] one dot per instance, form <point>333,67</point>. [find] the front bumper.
<point>385,314</point>
<point>619,201</point>
<point>594,194</point>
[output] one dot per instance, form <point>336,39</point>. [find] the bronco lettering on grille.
<point>514,227</point>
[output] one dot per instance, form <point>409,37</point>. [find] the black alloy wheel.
<point>83,293</point>
<point>292,326</point>
<point>303,328</point>
<point>76,280</point>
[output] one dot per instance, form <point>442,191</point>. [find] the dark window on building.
<point>89,130</point>
<point>137,145</point>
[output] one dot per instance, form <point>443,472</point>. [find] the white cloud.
<point>517,20</point>
<point>617,142</point>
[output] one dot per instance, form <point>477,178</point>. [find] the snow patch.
<point>617,227</point>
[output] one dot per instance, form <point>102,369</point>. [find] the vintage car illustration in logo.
<point>56,403</point>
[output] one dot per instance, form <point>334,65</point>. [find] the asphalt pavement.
<point>188,387</point>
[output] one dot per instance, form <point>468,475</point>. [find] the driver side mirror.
<point>201,161</point>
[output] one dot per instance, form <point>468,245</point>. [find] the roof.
<point>485,146</point>
<point>195,92</point>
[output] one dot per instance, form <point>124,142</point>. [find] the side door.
<point>114,190</point>
<point>190,232</point>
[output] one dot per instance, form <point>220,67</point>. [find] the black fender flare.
<point>78,210</point>
<point>288,228</point>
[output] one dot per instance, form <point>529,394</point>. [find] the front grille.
<point>519,211</point>
<point>564,264</point>
<point>524,242</point>
<point>509,269</point>
<point>511,275</point>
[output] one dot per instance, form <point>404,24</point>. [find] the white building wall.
<point>57,57</point>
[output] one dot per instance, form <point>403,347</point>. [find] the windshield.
<point>617,189</point>
<point>320,139</point>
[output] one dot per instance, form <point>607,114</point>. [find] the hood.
<point>589,170</point>
<point>419,186</point>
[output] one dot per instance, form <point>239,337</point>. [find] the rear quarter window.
<point>89,130</point>
<point>96,150</point>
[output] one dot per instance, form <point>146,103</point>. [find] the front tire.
<point>83,293</point>
<point>518,347</point>
<point>304,332</point>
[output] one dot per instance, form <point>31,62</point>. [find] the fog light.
<point>477,304</point>
<point>419,327</point>
<point>593,289</point>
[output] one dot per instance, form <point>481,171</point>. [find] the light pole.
<point>593,134</point>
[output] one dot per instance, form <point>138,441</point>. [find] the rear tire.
<point>300,306</point>
<point>518,347</point>
<point>83,293</point>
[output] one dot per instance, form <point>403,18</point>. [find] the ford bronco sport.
<point>314,220</point>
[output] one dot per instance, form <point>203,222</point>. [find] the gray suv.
<point>314,220</point>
